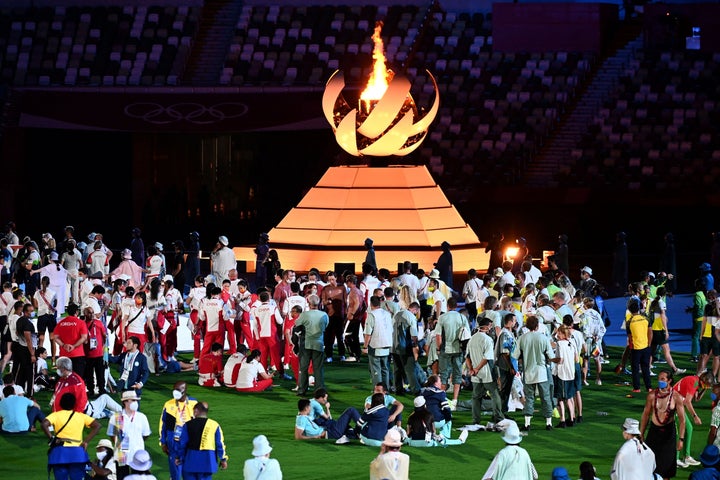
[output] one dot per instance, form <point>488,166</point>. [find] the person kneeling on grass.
<point>306,428</point>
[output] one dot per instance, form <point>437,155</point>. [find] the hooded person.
<point>370,255</point>
<point>444,265</point>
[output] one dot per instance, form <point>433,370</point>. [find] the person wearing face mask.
<point>176,412</point>
<point>104,466</point>
<point>70,382</point>
<point>662,406</point>
<point>128,429</point>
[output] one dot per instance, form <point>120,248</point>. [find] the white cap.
<point>223,239</point>
<point>587,270</point>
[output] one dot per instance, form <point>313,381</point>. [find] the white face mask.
<point>177,394</point>
<point>134,406</point>
<point>101,455</point>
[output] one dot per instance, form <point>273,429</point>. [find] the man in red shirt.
<point>94,362</point>
<point>692,388</point>
<point>210,367</point>
<point>68,381</point>
<point>70,335</point>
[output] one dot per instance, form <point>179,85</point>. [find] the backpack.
<point>402,341</point>
<point>297,336</point>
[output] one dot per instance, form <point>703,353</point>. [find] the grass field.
<point>242,416</point>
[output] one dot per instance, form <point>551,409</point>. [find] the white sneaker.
<point>350,359</point>
<point>342,440</point>
<point>296,388</point>
<point>680,371</point>
<point>463,436</point>
<point>691,461</point>
<point>681,464</point>
<point>598,382</point>
<point>585,382</point>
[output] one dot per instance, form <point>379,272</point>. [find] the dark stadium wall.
<point>667,25</point>
<point>83,179</point>
<point>549,27</point>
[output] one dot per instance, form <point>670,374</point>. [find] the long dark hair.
<point>587,471</point>
<point>252,355</point>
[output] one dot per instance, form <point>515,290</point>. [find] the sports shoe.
<point>691,461</point>
<point>561,425</point>
<point>342,440</point>
<point>598,382</point>
<point>636,390</point>
<point>464,434</point>
<point>525,428</point>
<point>618,369</point>
<point>605,361</point>
<point>288,377</point>
<point>585,382</point>
<point>342,358</point>
<point>350,359</point>
<point>681,464</point>
<point>627,371</point>
<point>548,427</point>
<point>680,371</point>
<point>328,360</point>
<point>653,374</point>
<point>294,389</point>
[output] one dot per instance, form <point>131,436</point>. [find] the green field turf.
<point>242,416</point>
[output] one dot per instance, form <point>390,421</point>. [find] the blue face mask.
<point>662,384</point>
<point>713,397</point>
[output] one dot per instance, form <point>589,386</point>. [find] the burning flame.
<point>379,78</point>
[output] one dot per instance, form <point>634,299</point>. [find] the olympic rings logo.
<point>195,113</point>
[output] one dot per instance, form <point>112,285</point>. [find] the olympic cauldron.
<point>400,207</point>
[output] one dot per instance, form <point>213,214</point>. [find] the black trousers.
<point>95,369</point>
<point>352,340</point>
<point>22,370</point>
<point>333,334</point>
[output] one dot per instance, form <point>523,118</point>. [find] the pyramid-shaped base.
<point>400,207</point>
